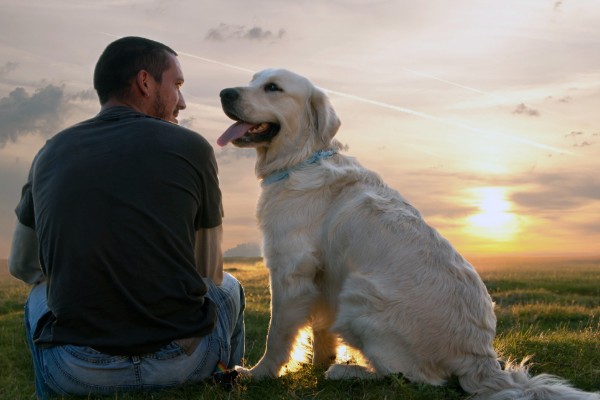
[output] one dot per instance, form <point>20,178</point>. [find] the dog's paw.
<point>256,373</point>
<point>348,371</point>
<point>243,373</point>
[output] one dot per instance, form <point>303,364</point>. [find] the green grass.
<point>547,308</point>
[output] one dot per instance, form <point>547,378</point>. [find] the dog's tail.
<point>487,380</point>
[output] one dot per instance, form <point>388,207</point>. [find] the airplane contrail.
<point>208,60</point>
<point>428,76</point>
<point>448,122</point>
<point>405,110</point>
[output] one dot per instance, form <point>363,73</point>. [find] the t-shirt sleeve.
<point>25,211</point>
<point>210,214</point>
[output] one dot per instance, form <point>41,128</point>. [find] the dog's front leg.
<point>324,341</point>
<point>324,347</point>
<point>293,293</point>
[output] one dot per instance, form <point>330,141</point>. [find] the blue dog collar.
<point>283,174</point>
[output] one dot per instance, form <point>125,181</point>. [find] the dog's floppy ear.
<point>324,119</point>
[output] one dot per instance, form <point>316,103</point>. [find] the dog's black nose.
<point>229,95</point>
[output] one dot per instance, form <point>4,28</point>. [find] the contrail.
<point>208,60</point>
<point>428,76</point>
<point>404,110</point>
<point>448,122</point>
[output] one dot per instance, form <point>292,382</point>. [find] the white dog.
<point>350,256</point>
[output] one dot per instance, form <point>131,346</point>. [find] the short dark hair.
<point>123,59</point>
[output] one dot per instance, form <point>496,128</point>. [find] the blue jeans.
<point>81,370</point>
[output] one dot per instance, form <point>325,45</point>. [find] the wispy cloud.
<point>8,68</point>
<point>228,155</point>
<point>557,191</point>
<point>525,110</point>
<point>585,143</point>
<point>558,5</point>
<point>574,134</point>
<point>187,122</point>
<point>579,138</point>
<point>238,32</point>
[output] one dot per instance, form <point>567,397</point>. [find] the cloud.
<point>557,5</point>
<point>8,68</point>
<point>574,134</point>
<point>21,113</point>
<point>592,227</point>
<point>260,34</point>
<point>577,135</point>
<point>238,32</point>
<point>84,95</point>
<point>523,109</point>
<point>187,122</point>
<point>557,191</point>
<point>230,154</point>
<point>41,113</point>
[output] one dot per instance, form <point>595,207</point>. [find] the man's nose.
<point>181,104</point>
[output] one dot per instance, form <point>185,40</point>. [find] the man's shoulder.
<point>172,132</point>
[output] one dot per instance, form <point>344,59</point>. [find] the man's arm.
<point>23,262</point>
<point>209,256</point>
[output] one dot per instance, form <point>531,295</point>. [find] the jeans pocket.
<point>81,370</point>
<point>90,355</point>
<point>171,350</point>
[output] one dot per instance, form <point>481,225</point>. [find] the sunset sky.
<point>484,114</point>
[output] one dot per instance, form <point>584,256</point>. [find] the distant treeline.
<point>242,260</point>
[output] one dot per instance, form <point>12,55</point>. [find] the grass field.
<point>547,307</point>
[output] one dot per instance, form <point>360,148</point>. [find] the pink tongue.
<point>235,131</point>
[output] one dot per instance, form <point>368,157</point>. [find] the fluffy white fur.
<point>351,256</point>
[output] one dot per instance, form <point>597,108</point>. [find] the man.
<point>125,213</point>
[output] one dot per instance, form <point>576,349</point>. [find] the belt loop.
<point>136,360</point>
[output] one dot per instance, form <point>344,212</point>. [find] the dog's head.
<point>281,114</point>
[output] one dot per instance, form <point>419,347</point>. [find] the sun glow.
<point>494,220</point>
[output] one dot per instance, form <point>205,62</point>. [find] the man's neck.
<point>121,103</point>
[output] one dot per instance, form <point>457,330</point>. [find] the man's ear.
<point>143,82</point>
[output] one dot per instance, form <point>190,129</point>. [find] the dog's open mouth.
<point>244,133</point>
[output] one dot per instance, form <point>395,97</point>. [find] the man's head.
<point>142,74</point>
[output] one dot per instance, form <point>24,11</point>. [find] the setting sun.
<point>494,219</point>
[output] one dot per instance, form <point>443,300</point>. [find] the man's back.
<point>117,202</point>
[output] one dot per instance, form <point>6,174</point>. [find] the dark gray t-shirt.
<point>115,202</point>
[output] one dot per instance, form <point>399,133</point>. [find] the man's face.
<point>168,99</point>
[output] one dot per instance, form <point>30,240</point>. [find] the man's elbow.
<point>23,261</point>
<point>25,272</point>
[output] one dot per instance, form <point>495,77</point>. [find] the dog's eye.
<point>272,87</point>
